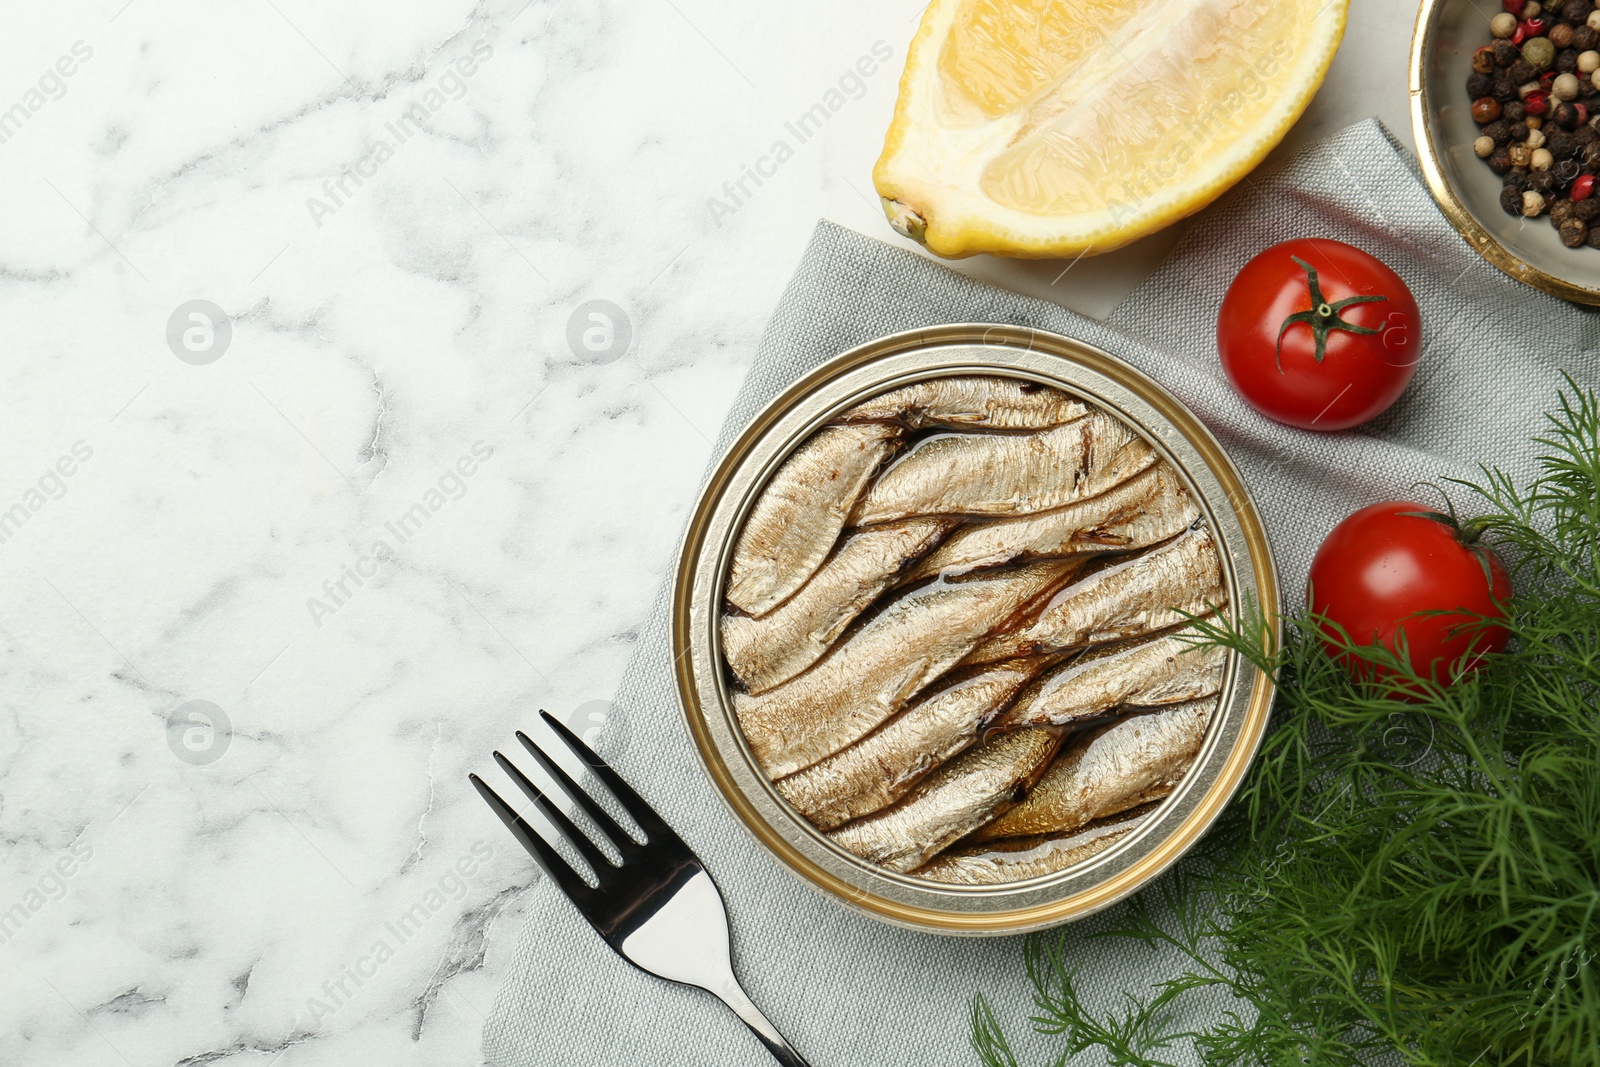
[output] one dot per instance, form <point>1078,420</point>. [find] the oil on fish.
<point>958,629</point>
<point>1146,509</point>
<point>956,799</point>
<point>1137,759</point>
<point>1150,592</point>
<point>875,671</point>
<point>1145,672</point>
<point>1019,858</point>
<point>797,520</point>
<point>882,767</point>
<point>765,652</point>
<point>976,402</point>
<point>1006,474</point>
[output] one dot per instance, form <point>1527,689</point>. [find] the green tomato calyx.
<point>1323,316</point>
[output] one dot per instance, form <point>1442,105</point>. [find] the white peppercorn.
<point>1535,139</point>
<point>1484,147</point>
<point>1505,24</point>
<point>1541,159</point>
<point>1532,204</point>
<point>1588,62</point>
<point>1533,122</point>
<point>1519,155</point>
<point>1593,21</point>
<point>1565,87</point>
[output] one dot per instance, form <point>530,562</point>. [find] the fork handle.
<point>734,997</point>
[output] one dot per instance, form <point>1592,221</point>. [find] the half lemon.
<point>1053,128</point>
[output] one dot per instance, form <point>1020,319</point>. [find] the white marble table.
<point>381,511</point>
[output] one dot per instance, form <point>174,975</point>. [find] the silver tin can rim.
<point>1052,359</point>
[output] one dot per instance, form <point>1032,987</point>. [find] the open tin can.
<point>1249,577</point>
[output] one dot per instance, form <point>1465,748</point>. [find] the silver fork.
<point>658,908</point>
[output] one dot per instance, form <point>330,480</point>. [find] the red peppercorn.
<point>1583,187</point>
<point>1514,6</point>
<point>1534,27</point>
<point>1519,36</point>
<point>1583,114</point>
<point>1536,102</point>
<point>1547,79</point>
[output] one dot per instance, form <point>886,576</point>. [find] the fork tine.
<point>602,818</point>
<point>598,861</point>
<point>654,827</point>
<point>548,859</point>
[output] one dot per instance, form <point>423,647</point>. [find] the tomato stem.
<point>1468,535</point>
<point>1323,317</point>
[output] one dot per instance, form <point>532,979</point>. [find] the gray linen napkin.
<point>846,989</point>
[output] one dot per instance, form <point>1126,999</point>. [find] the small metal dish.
<point>701,575</point>
<point>1467,191</point>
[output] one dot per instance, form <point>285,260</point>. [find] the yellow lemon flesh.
<point>1051,128</point>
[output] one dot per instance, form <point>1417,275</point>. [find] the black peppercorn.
<point>1516,178</point>
<point>1499,131</point>
<point>1540,180</point>
<point>1574,233</point>
<point>1584,136</point>
<point>1593,239</point>
<point>1479,85</point>
<point>1514,111</point>
<point>1505,53</point>
<point>1566,171</point>
<point>1590,156</point>
<point>1587,210</point>
<point>1567,60</point>
<point>1564,114</point>
<point>1516,131</point>
<point>1559,142</point>
<point>1561,211</point>
<point>1583,38</point>
<point>1504,89</point>
<point>1500,162</point>
<point>1522,71</point>
<point>1511,200</point>
<point>1576,11</point>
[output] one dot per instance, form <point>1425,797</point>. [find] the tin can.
<point>1249,575</point>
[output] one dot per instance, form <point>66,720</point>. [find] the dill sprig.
<point>1408,881</point>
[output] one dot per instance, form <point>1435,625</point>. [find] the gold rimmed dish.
<point>1530,250</point>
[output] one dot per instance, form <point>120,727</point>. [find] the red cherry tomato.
<point>1384,564</point>
<point>1318,334</point>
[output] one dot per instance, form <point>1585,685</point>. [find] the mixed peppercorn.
<point>1536,98</point>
